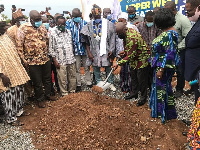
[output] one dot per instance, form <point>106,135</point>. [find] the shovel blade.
<point>103,85</point>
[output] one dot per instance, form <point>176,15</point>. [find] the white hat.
<point>123,15</point>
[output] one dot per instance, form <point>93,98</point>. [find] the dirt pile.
<point>80,121</point>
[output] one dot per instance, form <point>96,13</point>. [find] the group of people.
<point>149,51</point>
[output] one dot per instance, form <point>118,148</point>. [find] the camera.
<point>65,12</point>
<point>22,9</point>
<point>1,6</point>
<point>13,6</point>
<point>49,8</point>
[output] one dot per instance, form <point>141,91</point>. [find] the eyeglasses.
<point>189,11</point>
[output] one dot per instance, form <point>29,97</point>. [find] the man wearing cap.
<point>132,17</point>
<point>19,19</point>
<point>99,39</point>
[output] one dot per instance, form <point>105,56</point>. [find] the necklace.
<point>99,29</point>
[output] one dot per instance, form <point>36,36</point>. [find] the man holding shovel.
<point>99,38</point>
<point>137,53</point>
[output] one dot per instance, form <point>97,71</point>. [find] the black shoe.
<point>41,104</point>
<point>140,103</point>
<point>188,92</point>
<point>178,94</point>
<point>131,96</point>
<point>184,133</point>
<point>78,88</point>
<point>188,123</point>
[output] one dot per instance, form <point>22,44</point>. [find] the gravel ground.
<point>11,138</point>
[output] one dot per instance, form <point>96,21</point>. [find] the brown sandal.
<point>16,123</point>
<point>25,113</point>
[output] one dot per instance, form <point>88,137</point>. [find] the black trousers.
<point>180,72</point>
<point>41,76</point>
<point>139,78</point>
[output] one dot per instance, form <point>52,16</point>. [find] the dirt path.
<point>86,121</point>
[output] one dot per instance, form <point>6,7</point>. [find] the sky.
<point>57,6</point>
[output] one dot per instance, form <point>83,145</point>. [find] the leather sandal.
<point>16,123</point>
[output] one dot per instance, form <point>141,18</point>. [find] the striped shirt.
<point>75,31</point>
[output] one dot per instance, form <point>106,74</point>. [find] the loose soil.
<point>89,121</point>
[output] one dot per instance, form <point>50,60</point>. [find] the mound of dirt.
<point>87,121</point>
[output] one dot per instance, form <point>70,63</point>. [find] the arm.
<point>5,80</point>
<point>130,54</point>
<point>20,38</point>
<point>186,27</point>
<point>52,51</point>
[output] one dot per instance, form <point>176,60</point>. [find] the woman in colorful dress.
<point>164,59</point>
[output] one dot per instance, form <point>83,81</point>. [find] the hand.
<point>68,12</point>
<point>109,54</point>
<point>13,9</point>
<point>26,65</point>
<point>159,74</point>
<point>57,65</point>
<point>5,80</point>
<point>121,54</point>
<point>42,12</point>
<point>136,23</point>
<point>115,66</point>
<point>91,57</point>
<point>48,14</point>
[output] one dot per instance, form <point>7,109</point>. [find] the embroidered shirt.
<point>76,36</point>
<point>136,50</point>
<point>31,44</point>
<point>61,47</point>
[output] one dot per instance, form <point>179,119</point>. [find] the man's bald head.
<point>34,17</point>
<point>33,14</point>
<point>171,5</point>
<point>121,30</point>
<point>76,13</point>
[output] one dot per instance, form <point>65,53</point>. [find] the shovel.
<point>104,84</point>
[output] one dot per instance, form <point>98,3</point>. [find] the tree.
<point>4,17</point>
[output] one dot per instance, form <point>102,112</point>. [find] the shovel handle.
<point>108,75</point>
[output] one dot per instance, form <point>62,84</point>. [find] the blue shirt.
<point>75,30</point>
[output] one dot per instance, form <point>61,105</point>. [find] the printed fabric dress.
<point>163,55</point>
<point>193,136</point>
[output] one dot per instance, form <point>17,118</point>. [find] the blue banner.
<point>142,6</point>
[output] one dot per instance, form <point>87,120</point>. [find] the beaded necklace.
<point>99,29</point>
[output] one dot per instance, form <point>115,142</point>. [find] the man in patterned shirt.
<point>31,44</point>
<point>61,50</point>
<point>75,25</point>
<point>137,53</point>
